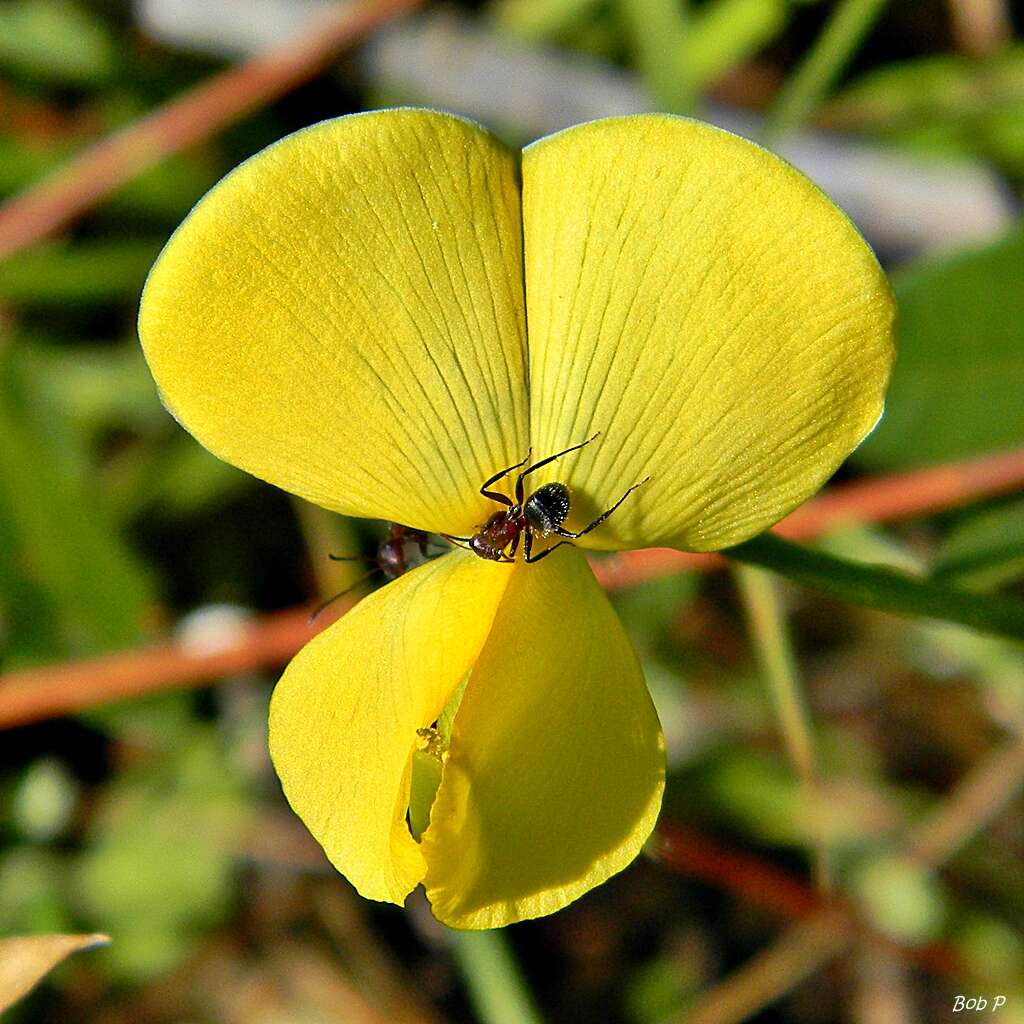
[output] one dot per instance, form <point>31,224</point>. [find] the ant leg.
<point>515,545</point>
<point>337,597</point>
<point>602,517</point>
<point>543,462</point>
<point>494,495</point>
<point>345,558</point>
<point>547,551</point>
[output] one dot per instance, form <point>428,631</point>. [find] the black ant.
<point>393,558</point>
<point>542,513</point>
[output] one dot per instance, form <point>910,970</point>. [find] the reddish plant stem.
<point>225,97</point>
<point>881,499</point>
<point>750,878</point>
<point>763,884</point>
<point>31,695</point>
<point>34,694</point>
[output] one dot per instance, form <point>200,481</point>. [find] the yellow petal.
<point>711,312</point>
<point>556,768</point>
<point>343,316</point>
<point>344,716</point>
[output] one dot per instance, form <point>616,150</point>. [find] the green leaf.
<point>758,794</point>
<point>951,93</point>
<point>537,20</point>
<point>881,588</point>
<point>728,32</point>
<point>99,386</point>
<point>83,273</point>
<point>658,32</point>
<point>32,897</point>
<point>956,390</point>
<point>159,864</point>
<point>803,91</point>
<point>184,479</point>
<point>29,619</point>
<point>64,542</point>
<point>901,898</point>
<point>985,550</point>
<point>54,42</point>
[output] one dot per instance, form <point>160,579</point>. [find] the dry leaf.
<point>26,959</point>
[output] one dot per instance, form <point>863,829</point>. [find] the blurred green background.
<point>158,820</point>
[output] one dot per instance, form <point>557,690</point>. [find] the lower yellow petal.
<point>344,716</point>
<point>554,777</point>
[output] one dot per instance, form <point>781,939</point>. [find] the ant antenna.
<point>348,590</point>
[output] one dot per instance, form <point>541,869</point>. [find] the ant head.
<point>497,519</point>
<point>481,547</point>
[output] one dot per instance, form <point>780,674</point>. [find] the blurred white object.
<point>226,28</point>
<point>213,629</point>
<point>903,204</point>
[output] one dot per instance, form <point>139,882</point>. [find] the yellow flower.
<point>379,313</point>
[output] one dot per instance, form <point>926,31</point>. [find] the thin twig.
<point>30,695</point>
<point>827,932</point>
<point>33,694</point>
<point>881,995</point>
<point>975,801</point>
<point>761,883</point>
<point>497,988</point>
<point>196,115</point>
<point>980,27</point>
<point>745,876</point>
<point>845,30</point>
<point>802,949</point>
<point>770,634</point>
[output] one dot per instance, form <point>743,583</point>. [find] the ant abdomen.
<point>547,507</point>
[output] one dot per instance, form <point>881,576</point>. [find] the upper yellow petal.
<point>344,716</point>
<point>556,768</point>
<point>711,312</point>
<point>343,316</point>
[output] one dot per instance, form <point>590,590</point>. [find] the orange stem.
<point>33,694</point>
<point>763,884</point>
<point>877,500</point>
<point>193,116</point>
<point>743,875</point>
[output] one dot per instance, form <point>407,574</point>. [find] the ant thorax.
<point>522,518</point>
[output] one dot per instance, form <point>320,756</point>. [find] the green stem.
<point>881,588</point>
<point>497,988</point>
<point>803,91</point>
<point>771,640</point>
<point>657,30</point>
